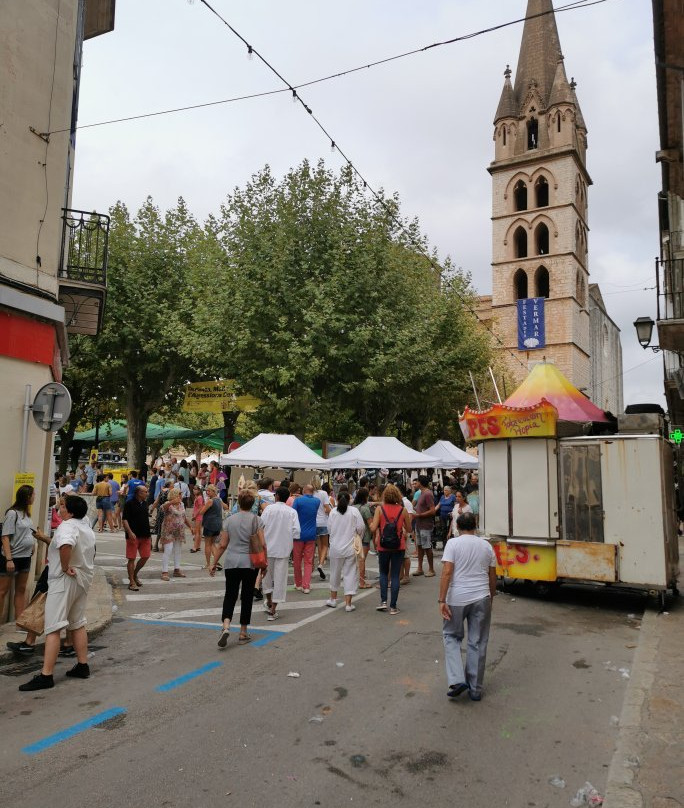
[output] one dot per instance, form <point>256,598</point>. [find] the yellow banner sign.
<point>93,455</point>
<point>500,421</point>
<point>22,479</point>
<point>217,397</point>
<point>528,561</point>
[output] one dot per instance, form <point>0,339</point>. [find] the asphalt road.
<point>366,720</point>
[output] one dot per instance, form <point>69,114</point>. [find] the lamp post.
<point>644,329</point>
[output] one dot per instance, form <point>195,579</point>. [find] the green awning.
<point>117,431</point>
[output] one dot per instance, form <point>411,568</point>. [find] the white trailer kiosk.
<point>597,509</point>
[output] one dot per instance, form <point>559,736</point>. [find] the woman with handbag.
<point>345,528</point>
<point>18,543</point>
<point>242,539</point>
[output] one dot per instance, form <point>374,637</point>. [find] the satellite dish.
<point>51,407</point>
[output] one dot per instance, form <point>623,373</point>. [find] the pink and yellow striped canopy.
<point>546,381</point>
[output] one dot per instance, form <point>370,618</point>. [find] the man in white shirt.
<point>281,528</point>
<point>466,591</point>
<point>71,559</point>
<point>184,489</point>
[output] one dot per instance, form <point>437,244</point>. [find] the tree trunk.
<point>136,419</point>
<point>229,421</point>
<point>66,436</point>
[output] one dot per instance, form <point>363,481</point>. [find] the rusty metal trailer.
<point>585,509</point>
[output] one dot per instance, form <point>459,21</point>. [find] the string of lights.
<point>573,6</point>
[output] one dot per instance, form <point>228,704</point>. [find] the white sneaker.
<point>350,608</point>
<point>305,591</point>
<point>272,617</point>
<point>382,607</point>
<point>332,603</point>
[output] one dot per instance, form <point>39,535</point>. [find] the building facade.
<point>668,29</point>
<point>52,260</point>
<point>540,229</point>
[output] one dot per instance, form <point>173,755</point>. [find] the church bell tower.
<point>540,272</point>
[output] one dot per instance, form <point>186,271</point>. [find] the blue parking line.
<point>264,637</point>
<point>58,737</point>
<point>187,677</point>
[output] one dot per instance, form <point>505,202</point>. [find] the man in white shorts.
<point>71,557</point>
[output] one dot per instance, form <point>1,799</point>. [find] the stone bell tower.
<point>539,209</point>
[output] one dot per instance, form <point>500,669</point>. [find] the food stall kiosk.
<point>596,508</point>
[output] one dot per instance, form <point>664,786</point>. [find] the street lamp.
<point>644,329</point>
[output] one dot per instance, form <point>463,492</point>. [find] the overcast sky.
<point>421,126</point>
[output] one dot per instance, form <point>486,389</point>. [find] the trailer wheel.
<point>545,589</point>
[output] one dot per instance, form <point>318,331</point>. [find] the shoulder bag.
<point>257,548</point>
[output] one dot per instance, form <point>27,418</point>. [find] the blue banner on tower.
<point>531,331</point>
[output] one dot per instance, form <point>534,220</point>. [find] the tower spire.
<point>539,51</point>
<point>508,108</point>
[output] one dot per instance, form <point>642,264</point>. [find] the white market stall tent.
<point>451,457</point>
<point>284,451</point>
<point>382,453</point>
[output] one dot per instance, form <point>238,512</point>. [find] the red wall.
<point>27,339</point>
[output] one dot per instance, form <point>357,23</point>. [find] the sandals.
<point>134,588</point>
<point>243,639</point>
<point>165,576</point>
<point>179,574</point>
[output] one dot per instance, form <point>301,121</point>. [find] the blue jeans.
<point>478,616</point>
<point>390,562</point>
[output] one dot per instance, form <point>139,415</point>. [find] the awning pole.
<point>472,381</point>
<point>491,373</point>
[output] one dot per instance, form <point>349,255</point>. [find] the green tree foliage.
<point>149,261</point>
<point>93,392</point>
<point>319,303</point>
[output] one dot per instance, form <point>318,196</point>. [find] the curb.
<point>620,792</point>
<point>98,614</point>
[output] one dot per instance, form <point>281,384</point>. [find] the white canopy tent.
<point>450,456</point>
<point>382,453</point>
<point>284,451</point>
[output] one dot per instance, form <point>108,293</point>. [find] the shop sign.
<point>500,421</point>
<point>528,561</point>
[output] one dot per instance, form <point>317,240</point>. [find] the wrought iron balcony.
<point>83,269</point>
<point>670,287</point>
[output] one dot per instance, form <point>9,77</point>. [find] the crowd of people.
<point>311,526</point>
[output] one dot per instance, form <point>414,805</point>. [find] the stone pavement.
<point>98,615</point>
<point>647,770</point>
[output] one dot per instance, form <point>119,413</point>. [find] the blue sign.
<point>531,331</point>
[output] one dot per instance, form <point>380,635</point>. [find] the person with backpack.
<point>394,523</point>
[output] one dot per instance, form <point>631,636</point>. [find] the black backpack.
<point>390,538</point>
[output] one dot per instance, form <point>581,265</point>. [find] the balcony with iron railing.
<point>670,291</point>
<point>83,269</point>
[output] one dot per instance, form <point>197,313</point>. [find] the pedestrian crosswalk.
<point>196,600</point>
